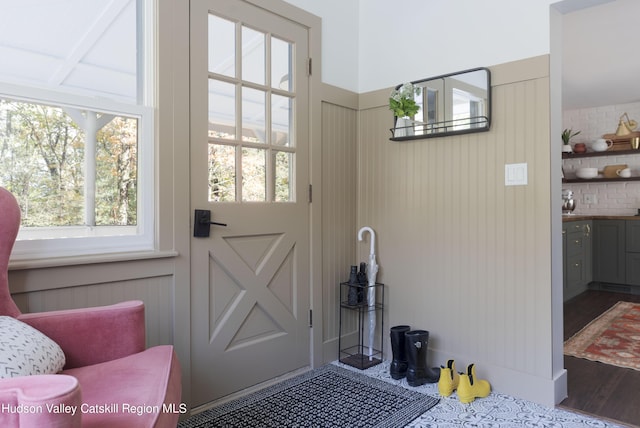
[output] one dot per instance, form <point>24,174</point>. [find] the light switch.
<point>515,174</point>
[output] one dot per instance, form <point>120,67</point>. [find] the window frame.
<point>39,245</point>
<point>144,242</point>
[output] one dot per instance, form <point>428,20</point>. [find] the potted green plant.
<point>403,105</point>
<point>567,135</point>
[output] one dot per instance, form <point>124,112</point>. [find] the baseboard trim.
<point>545,391</point>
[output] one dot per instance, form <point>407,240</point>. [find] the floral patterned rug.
<point>612,338</point>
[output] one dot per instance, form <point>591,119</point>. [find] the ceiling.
<point>600,65</point>
<point>90,47</point>
<point>85,46</point>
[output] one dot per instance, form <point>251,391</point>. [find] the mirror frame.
<point>445,128</point>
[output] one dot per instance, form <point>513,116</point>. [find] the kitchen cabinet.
<point>633,236</point>
<point>577,249</point>
<point>632,269</point>
<point>601,253</point>
<point>609,251</point>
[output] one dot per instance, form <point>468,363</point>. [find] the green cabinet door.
<point>633,252</point>
<point>609,251</point>
<point>577,247</point>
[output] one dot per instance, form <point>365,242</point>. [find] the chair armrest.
<point>93,335</point>
<point>40,401</point>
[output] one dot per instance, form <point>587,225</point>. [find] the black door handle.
<point>202,223</point>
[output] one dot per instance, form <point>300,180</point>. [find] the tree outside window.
<point>42,161</point>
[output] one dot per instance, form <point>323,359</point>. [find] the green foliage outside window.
<point>42,162</point>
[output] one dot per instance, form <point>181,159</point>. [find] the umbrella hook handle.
<point>373,238</point>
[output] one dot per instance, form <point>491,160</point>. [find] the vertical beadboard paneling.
<point>339,128</point>
<point>155,292</point>
<point>463,255</point>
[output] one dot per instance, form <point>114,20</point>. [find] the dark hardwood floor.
<point>599,389</point>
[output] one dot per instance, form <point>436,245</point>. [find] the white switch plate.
<point>590,198</point>
<point>515,174</point>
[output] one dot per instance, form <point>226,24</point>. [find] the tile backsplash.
<point>615,198</point>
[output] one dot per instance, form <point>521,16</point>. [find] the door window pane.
<point>222,46</point>
<point>253,115</point>
<point>253,57</point>
<point>254,175</point>
<point>281,69</point>
<point>281,120</point>
<point>222,110</point>
<point>284,177</point>
<point>222,173</point>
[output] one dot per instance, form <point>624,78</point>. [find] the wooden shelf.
<point>621,146</point>
<point>596,154</point>
<point>598,180</point>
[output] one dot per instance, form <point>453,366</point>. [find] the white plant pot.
<point>404,127</point>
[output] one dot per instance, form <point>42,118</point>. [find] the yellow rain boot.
<point>449,379</point>
<point>471,387</point>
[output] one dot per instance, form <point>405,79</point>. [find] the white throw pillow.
<point>25,351</point>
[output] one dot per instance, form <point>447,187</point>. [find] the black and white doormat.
<point>329,396</point>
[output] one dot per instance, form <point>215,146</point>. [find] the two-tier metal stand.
<point>354,317</point>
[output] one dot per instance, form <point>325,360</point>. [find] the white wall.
<point>373,44</point>
<point>599,60</point>
<point>416,39</point>
<point>339,39</point>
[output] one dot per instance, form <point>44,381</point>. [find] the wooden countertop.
<point>571,217</point>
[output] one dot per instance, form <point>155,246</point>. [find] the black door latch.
<point>202,223</point>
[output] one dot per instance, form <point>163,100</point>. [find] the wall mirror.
<point>456,103</point>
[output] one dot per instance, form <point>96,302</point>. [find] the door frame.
<point>312,24</point>
<point>175,227</point>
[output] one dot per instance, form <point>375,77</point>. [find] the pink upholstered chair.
<point>109,375</point>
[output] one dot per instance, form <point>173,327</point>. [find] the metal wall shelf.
<point>417,130</point>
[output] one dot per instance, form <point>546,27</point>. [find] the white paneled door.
<point>249,167</point>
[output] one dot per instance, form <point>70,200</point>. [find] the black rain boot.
<point>418,373</point>
<point>398,368</point>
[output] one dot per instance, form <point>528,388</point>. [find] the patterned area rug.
<point>329,396</point>
<point>612,338</point>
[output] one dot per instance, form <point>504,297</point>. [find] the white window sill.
<point>89,259</point>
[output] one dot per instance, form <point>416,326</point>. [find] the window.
<point>252,98</point>
<point>76,143</point>
<point>466,105</point>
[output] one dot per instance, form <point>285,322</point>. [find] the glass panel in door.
<point>251,114</point>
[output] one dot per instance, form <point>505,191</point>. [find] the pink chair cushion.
<point>40,401</point>
<point>93,335</point>
<point>130,391</point>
